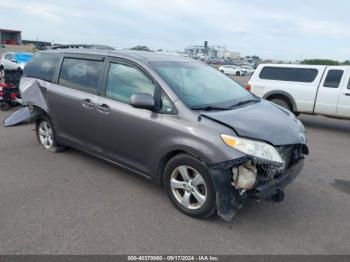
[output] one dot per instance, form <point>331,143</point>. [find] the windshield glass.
<point>200,86</point>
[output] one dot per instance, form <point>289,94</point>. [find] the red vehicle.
<point>8,96</point>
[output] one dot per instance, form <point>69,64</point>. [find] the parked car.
<point>249,70</point>
<point>13,61</point>
<point>174,121</point>
<point>231,70</point>
<point>318,90</point>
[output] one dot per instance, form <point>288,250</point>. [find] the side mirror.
<point>143,101</point>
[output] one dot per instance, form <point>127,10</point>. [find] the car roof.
<point>134,55</point>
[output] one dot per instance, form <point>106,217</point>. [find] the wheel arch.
<point>173,153</point>
<point>282,95</point>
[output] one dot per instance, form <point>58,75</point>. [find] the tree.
<point>320,62</point>
<point>346,62</point>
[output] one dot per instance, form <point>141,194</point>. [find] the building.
<point>10,37</point>
<point>206,51</point>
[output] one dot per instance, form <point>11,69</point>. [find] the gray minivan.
<point>175,121</point>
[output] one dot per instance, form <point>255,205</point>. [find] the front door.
<point>344,99</point>
<point>127,133</point>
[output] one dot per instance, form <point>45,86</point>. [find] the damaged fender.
<point>226,196</point>
<point>33,93</point>
<point>24,114</point>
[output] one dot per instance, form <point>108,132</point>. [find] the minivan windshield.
<point>202,87</point>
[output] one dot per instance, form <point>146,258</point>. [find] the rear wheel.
<point>189,186</point>
<point>281,102</point>
<point>46,135</point>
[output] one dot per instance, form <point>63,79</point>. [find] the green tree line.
<point>324,62</point>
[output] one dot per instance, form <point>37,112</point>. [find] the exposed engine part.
<point>244,176</point>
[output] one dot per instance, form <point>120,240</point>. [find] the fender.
<point>283,93</point>
<point>24,114</point>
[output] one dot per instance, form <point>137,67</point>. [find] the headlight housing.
<point>253,148</point>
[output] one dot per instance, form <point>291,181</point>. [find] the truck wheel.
<point>222,71</point>
<point>46,135</point>
<point>281,102</point>
<point>238,73</point>
<point>4,106</point>
<point>189,186</point>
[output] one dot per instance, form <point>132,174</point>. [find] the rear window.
<point>43,66</point>
<point>81,74</point>
<point>306,75</point>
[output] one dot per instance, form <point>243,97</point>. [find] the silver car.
<point>174,121</point>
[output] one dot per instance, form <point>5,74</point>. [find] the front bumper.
<point>268,190</point>
<point>229,200</point>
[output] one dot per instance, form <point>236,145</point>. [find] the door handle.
<point>87,103</point>
<point>346,94</point>
<point>104,109</point>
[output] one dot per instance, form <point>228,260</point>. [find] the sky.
<point>275,29</point>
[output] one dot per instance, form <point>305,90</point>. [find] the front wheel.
<point>238,73</point>
<point>189,186</point>
<point>46,135</point>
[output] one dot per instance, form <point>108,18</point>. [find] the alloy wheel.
<point>46,135</point>
<point>188,187</point>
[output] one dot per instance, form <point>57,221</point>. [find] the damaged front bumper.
<point>269,184</point>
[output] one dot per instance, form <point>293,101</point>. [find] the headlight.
<point>254,148</point>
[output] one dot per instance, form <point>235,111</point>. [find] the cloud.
<point>267,28</point>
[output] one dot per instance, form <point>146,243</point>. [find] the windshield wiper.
<point>245,102</point>
<point>211,108</point>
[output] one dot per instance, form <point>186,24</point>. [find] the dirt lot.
<point>72,203</point>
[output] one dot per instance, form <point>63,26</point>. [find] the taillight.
<point>248,87</point>
<point>1,91</point>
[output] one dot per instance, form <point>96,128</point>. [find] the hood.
<point>262,121</point>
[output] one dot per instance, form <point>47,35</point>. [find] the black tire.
<point>54,147</point>
<point>281,102</point>
<point>222,71</point>
<point>238,73</point>
<point>4,106</point>
<point>209,206</point>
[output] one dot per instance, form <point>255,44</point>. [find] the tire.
<point>222,71</point>
<point>195,198</point>
<point>281,102</point>
<point>4,106</point>
<point>238,73</point>
<point>45,134</point>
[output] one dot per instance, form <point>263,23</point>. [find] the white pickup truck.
<point>319,90</point>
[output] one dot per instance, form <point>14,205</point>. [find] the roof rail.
<point>70,46</point>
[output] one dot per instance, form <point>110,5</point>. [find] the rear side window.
<point>80,74</point>
<point>306,75</point>
<point>124,81</point>
<point>43,66</point>
<point>333,78</point>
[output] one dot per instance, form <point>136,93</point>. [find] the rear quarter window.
<point>305,75</point>
<point>42,66</point>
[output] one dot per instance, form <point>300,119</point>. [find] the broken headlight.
<point>253,148</point>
